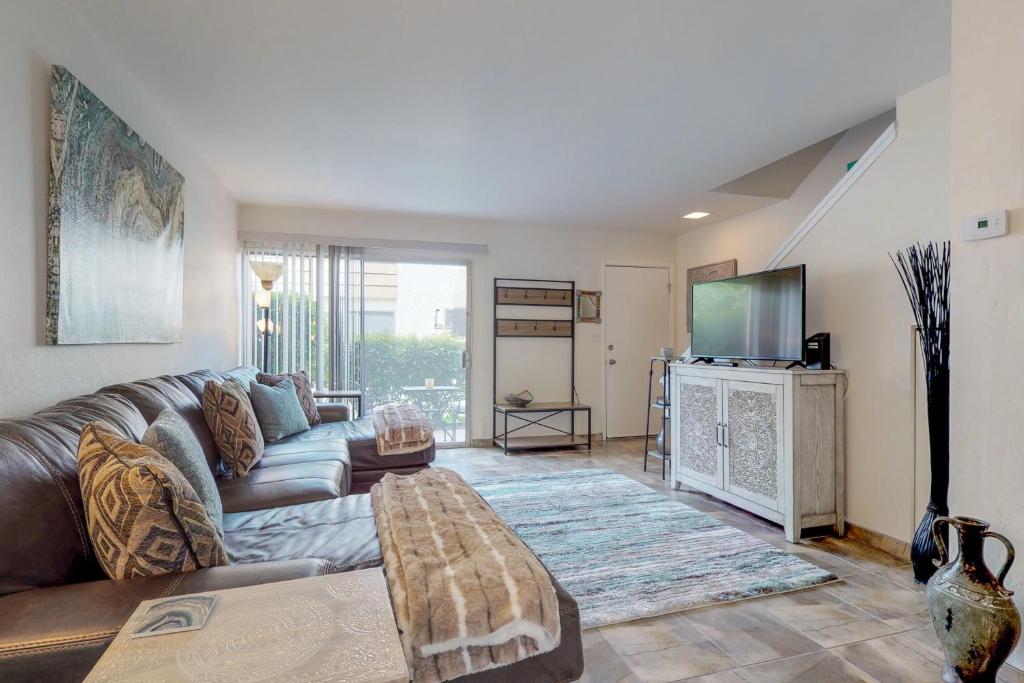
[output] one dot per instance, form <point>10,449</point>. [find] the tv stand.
<point>778,444</point>
<point>797,364</point>
<point>712,361</point>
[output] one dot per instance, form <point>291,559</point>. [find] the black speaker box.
<point>817,354</point>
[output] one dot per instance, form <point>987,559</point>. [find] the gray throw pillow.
<point>277,410</point>
<point>171,437</point>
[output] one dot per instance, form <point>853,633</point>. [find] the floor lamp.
<point>267,272</point>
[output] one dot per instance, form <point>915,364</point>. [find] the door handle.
<point>725,434</point>
<point>611,361</point>
<point>718,433</point>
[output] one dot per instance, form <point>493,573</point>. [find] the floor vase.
<point>972,611</point>
<point>925,273</point>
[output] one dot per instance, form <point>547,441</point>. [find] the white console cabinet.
<point>767,440</point>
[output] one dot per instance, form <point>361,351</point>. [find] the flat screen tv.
<point>750,317</point>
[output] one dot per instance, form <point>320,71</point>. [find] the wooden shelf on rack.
<point>522,327</point>
<point>534,296</point>
<point>523,443</point>
<point>540,407</point>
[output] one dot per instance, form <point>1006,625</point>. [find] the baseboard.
<point>879,541</point>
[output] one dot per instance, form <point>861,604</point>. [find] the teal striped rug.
<point>626,552</point>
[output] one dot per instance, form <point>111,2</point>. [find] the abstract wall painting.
<point>115,237</point>
<point>707,273</point>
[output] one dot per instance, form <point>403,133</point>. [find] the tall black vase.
<point>924,270</point>
<point>923,549</point>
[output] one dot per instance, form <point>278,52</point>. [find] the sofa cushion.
<point>170,436</point>
<point>43,537</point>
<point>277,410</point>
<point>287,484</point>
<point>155,395</point>
<point>143,516</point>
<point>229,413</point>
<point>341,531</point>
<point>303,391</point>
<point>333,412</point>
<point>362,446</point>
<point>291,452</point>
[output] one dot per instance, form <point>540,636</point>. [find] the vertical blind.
<point>315,314</point>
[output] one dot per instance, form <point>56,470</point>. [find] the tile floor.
<point>872,626</point>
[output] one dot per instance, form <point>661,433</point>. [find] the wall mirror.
<point>588,307</point>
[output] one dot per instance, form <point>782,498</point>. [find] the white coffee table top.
<point>338,627</point>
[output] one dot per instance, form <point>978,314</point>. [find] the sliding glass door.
<point>415,333</point>
<point>394,329</point>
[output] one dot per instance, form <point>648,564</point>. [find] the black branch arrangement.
<point>924,270</point>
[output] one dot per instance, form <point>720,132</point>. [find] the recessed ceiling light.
<point>697,215</point>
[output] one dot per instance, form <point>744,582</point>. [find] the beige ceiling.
<point>592,113</point>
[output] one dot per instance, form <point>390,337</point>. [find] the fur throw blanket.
<point>468,594</point>
<point>401,428</point>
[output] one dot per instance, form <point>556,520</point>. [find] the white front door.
<point>636,311</point>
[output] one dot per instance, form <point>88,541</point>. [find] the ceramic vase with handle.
<point>972,611</point>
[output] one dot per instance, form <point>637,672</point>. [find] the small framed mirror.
<point>588,307</point>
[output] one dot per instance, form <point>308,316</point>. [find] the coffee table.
<point>338,627</point>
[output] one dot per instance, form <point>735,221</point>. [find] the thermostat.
<point>981,226</point>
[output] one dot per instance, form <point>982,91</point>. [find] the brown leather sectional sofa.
<point>298,514</point>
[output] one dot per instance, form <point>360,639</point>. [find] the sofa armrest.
<point>59,633</point>
<point>333,412</point>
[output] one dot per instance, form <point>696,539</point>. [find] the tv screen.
<point>755,317</point>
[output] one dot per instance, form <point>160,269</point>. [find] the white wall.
<point>854,293</point>
<point>513,251</point>
<point>752,238</point>
<point>986,425</point>
<point>34,35</point>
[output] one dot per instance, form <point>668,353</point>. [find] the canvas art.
<point>708,273</point>
<point>116,227</point>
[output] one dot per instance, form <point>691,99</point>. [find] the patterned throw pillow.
<point>171,437</point>
<point>277,410</point>
<point>143,516</point>
<point>303,390</point>
<point>229,414</point>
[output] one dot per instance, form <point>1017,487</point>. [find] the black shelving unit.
<point>662,403</point>
<point>534,292</point>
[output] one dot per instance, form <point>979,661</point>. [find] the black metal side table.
<point>353,395</point>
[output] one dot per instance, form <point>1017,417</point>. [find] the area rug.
<point>626,552</point>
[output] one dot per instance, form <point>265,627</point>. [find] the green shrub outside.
<point>406,360</point>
